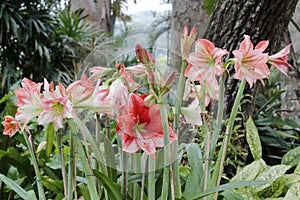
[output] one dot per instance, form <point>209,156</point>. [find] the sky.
<point>145,5</point>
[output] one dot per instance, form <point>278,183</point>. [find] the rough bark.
<point>262,20</point>
<point>185,13</point>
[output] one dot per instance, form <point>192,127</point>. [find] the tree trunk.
<point>185,13</point>
<point>262,20</point>
<point>98,11</point>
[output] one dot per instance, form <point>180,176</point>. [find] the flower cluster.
<point>250,63</point>
<point>137,115</point>
<point>138,118</point>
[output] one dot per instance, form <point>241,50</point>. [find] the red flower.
<point>141,127</point>
<point>11,126</point>
<point>251,64</point>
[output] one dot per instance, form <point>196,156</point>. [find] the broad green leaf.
<point>253,139</point>
<point>31,195</point>
<point>49,139</point>
<point>84,191</point>
<point>86,169</point>
<point>54,185</point>
<point>279,186</point>
<point>249,172</point>
<point>92,142</point>
<point>293,192</point>
<point>113,188</point>
<point>14,186</point>
<point>194,182</point>
<point>292,157</point>
<point>228,186</point>
<point>110,160</point>
<point>271,175</point>
<point>231,195</point>
<point>297,170</point>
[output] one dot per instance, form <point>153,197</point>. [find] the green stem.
<point>35,166</point>
<point>222,154</point>
<point>178,104</point>
<point>72,166</point>
<point>144,166</point>
<point>91,183</point>
<point>136,167</point>
<point>62,156</point>
<point>166,173</point>
<point>220,113</point>
<point>151,178</point>
<point>179,94</point>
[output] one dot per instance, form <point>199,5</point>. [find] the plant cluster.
<point>119,129</point>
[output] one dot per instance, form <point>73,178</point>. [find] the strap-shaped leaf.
<point>253,139</point>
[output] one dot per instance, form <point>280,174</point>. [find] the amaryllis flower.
<point>118,95</point>
<point>280,60</point>
<point>11,126</point>
<point>141,127</point>
<point>192,113</point>
<point>137,70</point>
<point>99,72</point>
<point>56,106</point>
<point>29,100</point>
<point>205,63</point>
<point>187,41</point>
<point>143,55</point>
<point>80,90</point>
<point>251,64</point>
<point>128,77</point>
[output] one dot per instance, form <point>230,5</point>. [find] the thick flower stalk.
<point>140,127</point>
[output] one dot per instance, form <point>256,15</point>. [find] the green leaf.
<point>228,186</point>
<point>194,181</point>
<point>49,139</point>
<point>253,139</point>
<point>271,175</point>
<point>293,192</point>
<point>14,186</point>
<point>54,185</point>
<point>84,191</point>
<point>292,157</point>
<point>6,97</point>
<point>231,195</point>
<point>249,172</point>
<point>114,190</point>
<point>209,6</point>
<point>31,195</point>
<point>279,186</point>
<point>110,160</point>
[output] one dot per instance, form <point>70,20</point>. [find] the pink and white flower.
<point>11,126</point>
<point>205,63</point>
<point>29,100</point>
<point>56,106</point>
<point>280,60</point>
<point>251,63</point>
